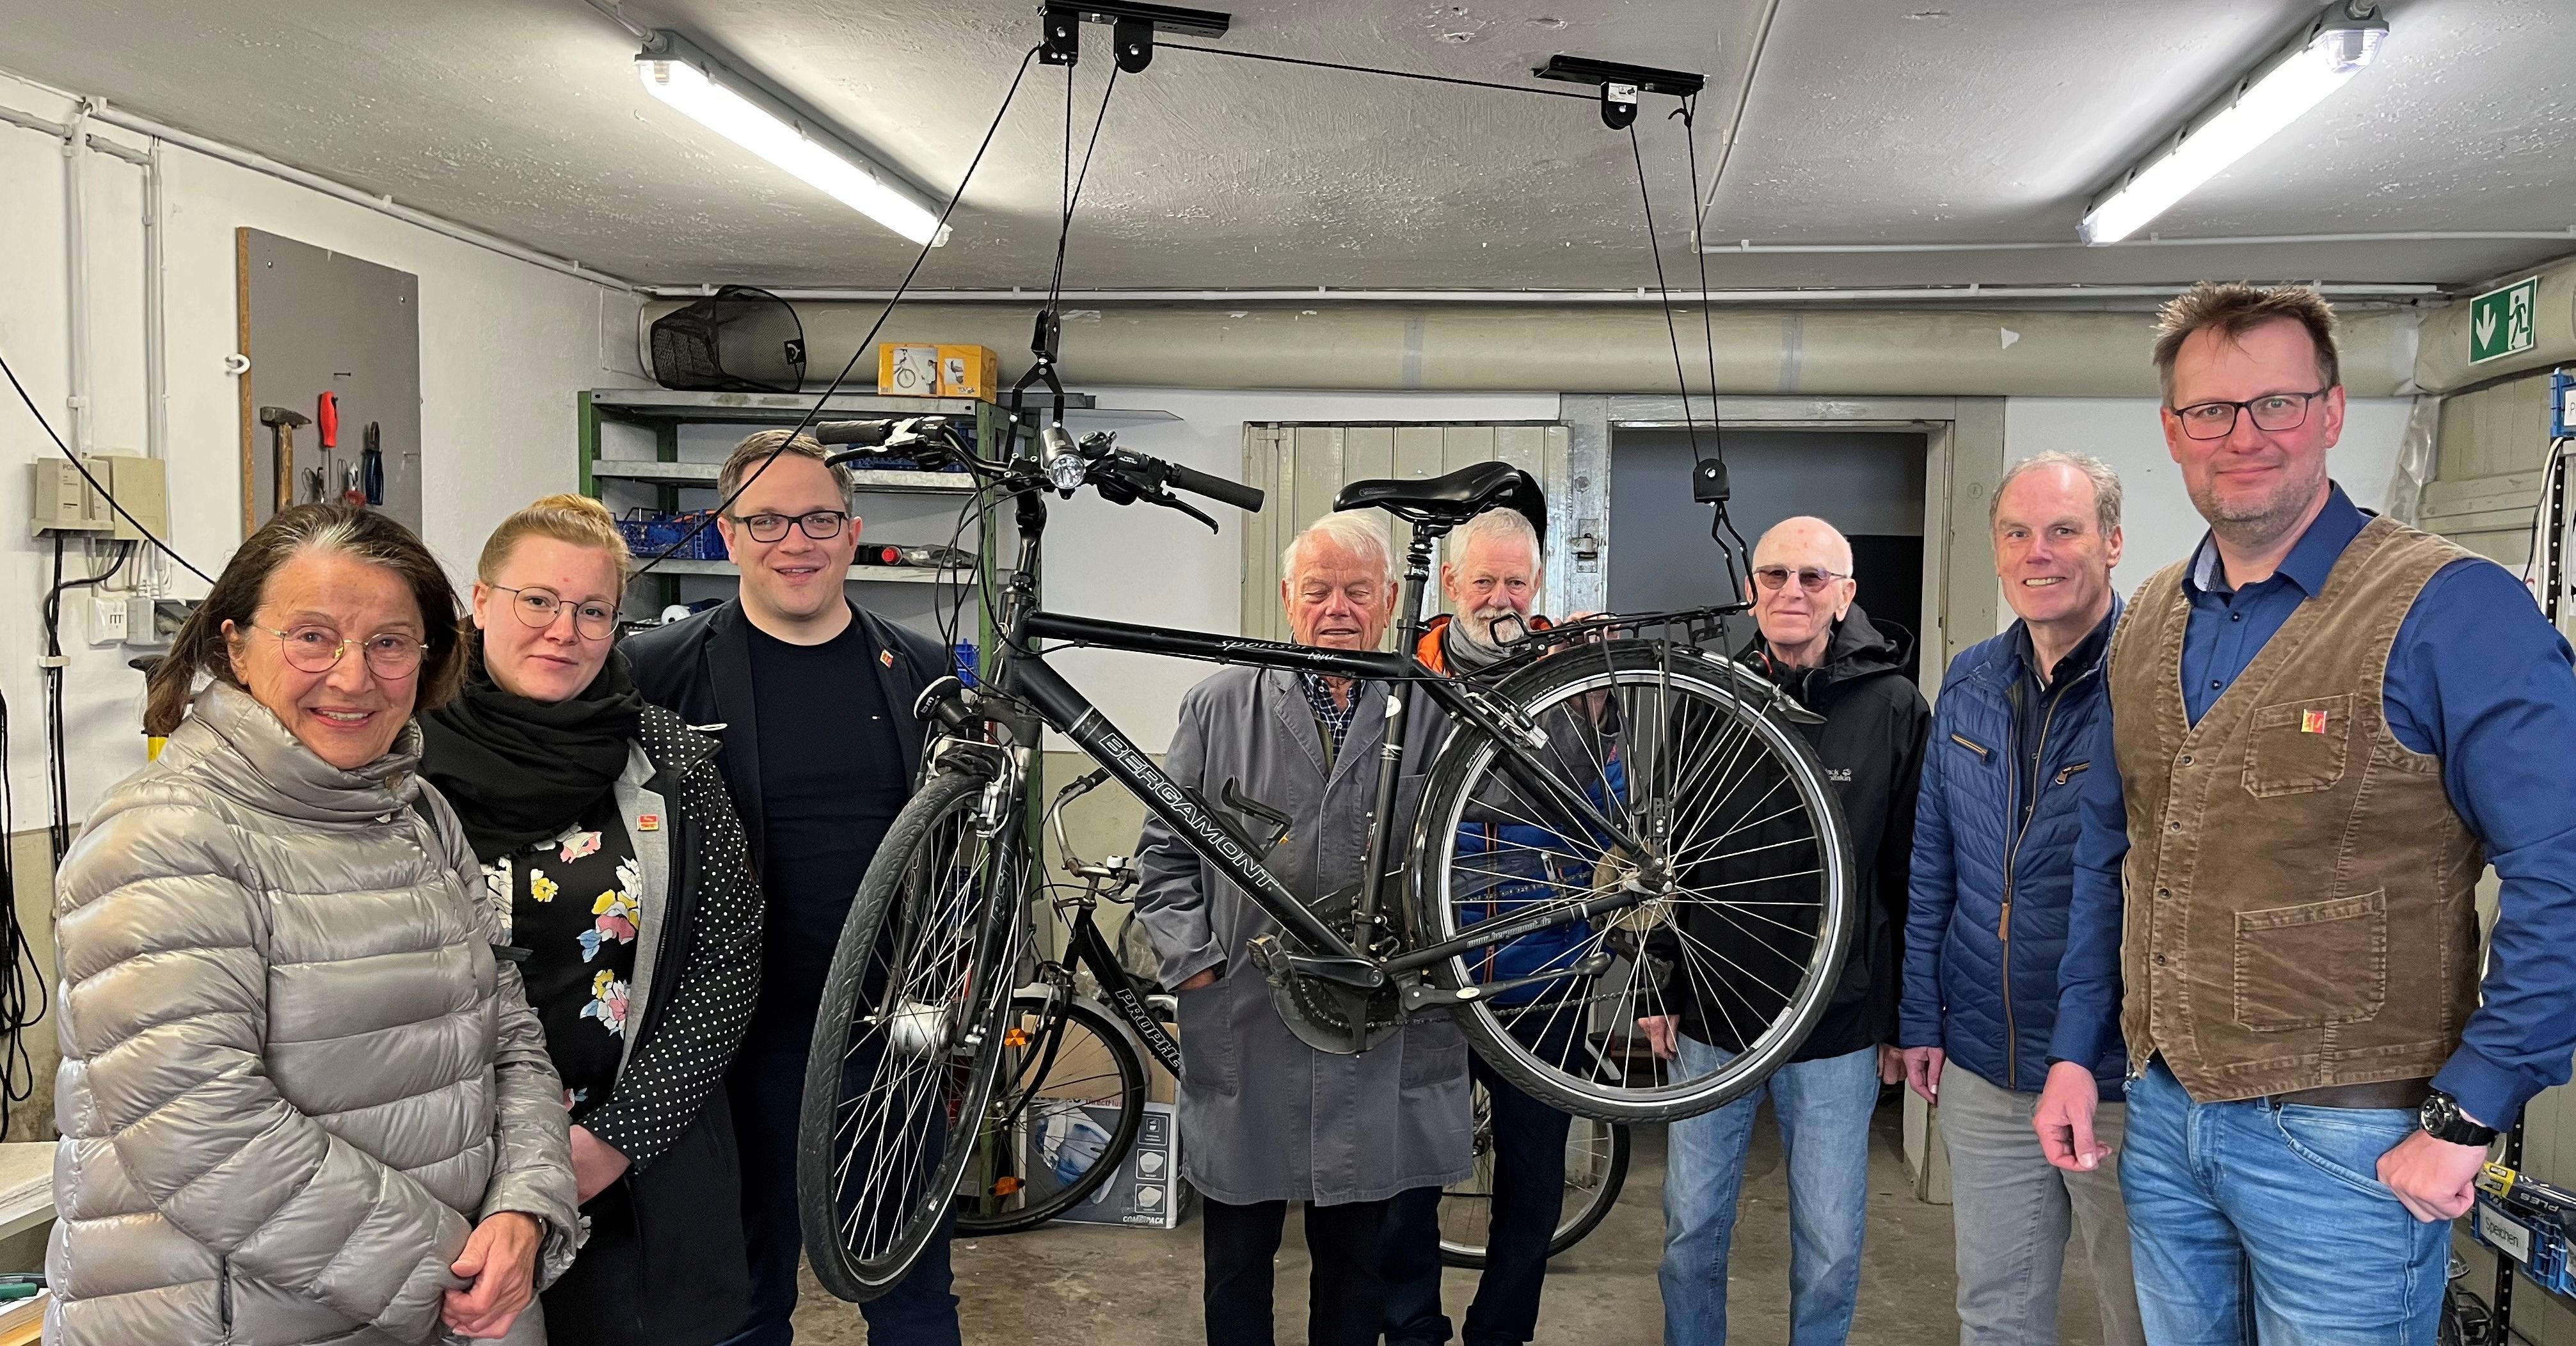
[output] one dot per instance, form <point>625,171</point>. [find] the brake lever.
<point>1171,501</point>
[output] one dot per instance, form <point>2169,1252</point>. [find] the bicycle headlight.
<point>1064,465</point>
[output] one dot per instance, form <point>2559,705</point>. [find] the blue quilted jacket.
<point>1987,922</point>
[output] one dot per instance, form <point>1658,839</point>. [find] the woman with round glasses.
<point>615,862</point>
<point>301,1100</point>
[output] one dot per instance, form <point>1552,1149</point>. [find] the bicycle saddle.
<point>1447,501</point>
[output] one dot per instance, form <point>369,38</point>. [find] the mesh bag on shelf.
<point>737,340</point>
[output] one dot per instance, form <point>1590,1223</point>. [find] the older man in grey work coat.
<point>1266,1118</point>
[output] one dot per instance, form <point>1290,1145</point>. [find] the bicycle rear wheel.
<point>1734,917</point>
<point>903,1046</point>
<point>1596,1167</point>
<point>1065,1111</point>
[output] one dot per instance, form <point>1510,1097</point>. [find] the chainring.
<point>1322,1013</point>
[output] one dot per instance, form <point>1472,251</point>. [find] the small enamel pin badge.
<point>2312,722</point>
<point>648,822</point>
<point>886,657</point>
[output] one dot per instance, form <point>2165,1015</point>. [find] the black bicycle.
<point>1070,1092</point>
<point>1647,806</point>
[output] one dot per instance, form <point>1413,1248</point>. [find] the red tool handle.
<point>327,415</point>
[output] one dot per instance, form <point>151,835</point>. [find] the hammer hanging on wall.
<point>281,425</point>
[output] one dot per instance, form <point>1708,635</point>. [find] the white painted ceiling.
<point>1867,122</point>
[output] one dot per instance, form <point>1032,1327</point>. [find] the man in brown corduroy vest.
<point>2323,725</point>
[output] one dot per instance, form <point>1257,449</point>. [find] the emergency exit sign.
<point>2500,321</point>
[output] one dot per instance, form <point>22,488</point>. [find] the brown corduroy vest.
<point>2299,908</point>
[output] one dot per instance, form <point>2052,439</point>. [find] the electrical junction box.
<point>152,623</point>
<point>142,486</point>
<point>107,621</point>
<point>969,371</point>
<point>908,371</point>
<point>65,502</point>
<point>2562,404</point>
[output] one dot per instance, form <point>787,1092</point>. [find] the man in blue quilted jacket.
<point>1994,863</point>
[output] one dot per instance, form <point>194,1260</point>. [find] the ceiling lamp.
<point>762,120</point>
<point>2332,52</point>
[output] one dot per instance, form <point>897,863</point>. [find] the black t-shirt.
<point>572,905</point>
<point>831,781</point>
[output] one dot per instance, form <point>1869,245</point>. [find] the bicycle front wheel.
<point>1722,931</point>
<point>1070,1098</point>
<point>903,1056</point>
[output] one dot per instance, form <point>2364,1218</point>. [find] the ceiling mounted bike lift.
<point>1620,84</point>
<point>1131,29</point>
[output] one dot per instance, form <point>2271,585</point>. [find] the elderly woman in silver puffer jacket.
<point>301,1101</point>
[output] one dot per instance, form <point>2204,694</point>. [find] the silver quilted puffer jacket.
<point>294,1075</point>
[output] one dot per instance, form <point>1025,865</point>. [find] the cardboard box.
<point>1147,1191</point>
<point>907,371</point>
<point>970,371</point>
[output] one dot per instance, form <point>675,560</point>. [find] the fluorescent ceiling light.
<point>759,121</point>
<point>2334,52</point>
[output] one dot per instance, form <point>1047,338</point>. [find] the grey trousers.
<point>2013,1213</point>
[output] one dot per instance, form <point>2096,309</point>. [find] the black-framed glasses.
<point>1812,579</point>
<point>317,649</point>
<point>2272,411</point>
<point>593,619</point>
<point>822,525</point>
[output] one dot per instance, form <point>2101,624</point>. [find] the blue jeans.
<point>2257,1220</point>
<point>768,1086</point>
<point>1824,1109</point>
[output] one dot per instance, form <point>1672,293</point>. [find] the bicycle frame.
<point>1021,672</point>
<point>1087,947</point>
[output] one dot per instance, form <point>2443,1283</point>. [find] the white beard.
<point>1478,626</point>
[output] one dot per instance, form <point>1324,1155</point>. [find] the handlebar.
<point>1235,493</point>
<point>1123,476</point>
<point>864,434</point>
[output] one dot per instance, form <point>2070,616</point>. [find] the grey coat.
<point>294,1075</point>
<point>1263,1116</point>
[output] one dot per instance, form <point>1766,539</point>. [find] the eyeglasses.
<point>1810,578</point>
<point>2217,420</point>
<point>822,525</point>
<point>537,607</point>
<point>317,649</point>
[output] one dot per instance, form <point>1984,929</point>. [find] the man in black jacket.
<point>1819,645</point>
<point>812,696</point>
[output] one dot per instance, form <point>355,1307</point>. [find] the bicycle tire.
<point>1017,1097</point>
<point>944,1003</point>
<point>1718,698</point>
<point>1573,1224</point>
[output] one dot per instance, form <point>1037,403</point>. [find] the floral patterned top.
<point>572,906</point>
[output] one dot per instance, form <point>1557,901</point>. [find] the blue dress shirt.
<point>2477,678</point>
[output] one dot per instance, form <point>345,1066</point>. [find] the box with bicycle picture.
<point>1145,1192</point>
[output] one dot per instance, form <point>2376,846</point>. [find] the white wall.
<point>2158,519</point>
<point>504,345</point>
<point>1141,564</point>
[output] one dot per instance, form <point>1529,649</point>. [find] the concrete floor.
<point>1085,1284</point>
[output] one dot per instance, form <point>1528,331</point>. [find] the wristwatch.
<point>2442,1119</point>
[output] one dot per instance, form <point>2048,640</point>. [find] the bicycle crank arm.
<point>1276,962</point>
<point>1418,997</point>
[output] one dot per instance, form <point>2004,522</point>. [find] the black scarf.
<point>519,771</point>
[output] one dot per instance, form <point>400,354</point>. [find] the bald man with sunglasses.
<point>1817,644</point>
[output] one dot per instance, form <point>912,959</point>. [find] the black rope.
<point>1073,193</point>
<point>1373,70</point>
<point>1722,528</point>
<point>1681,377</point>
<point>22,985</point>
<point>864,342</point>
